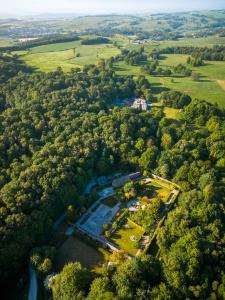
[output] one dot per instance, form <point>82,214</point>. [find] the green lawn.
<point>122,236</point>
<point>160,191</point>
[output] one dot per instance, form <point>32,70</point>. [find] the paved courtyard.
<point>102,215</point>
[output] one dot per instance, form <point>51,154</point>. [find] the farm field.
<point>122,236</point>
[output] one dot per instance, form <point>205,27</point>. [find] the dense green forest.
<point>58,129</point>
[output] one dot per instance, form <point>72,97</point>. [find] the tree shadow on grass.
<point>116,68</point>
<point>202,79</point>
<point>157,88</point>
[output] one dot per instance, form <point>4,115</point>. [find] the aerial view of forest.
<point>112,150</point>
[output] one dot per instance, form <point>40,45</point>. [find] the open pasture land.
<point>122,237</point>
<point>66,55</point>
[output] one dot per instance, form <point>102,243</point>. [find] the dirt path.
<point>221,84</point>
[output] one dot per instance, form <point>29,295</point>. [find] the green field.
<point>207,88</point>
<point>160,191</point>
<point>48,57</point>
<point>122,236</point>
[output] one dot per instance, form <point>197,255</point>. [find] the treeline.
<point>134,57</point>
<point>95,41</point>
<point>216,53</point>
<point>152,68</point>
<point>10,66</point>
<point>40,41</point>
<point>175,99</point>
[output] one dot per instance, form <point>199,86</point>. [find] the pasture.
<point>67,55</point>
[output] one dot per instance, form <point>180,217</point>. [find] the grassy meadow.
<point>68,55</point>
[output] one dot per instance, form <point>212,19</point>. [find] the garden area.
<point>158,191</point>
<point>127,236</point>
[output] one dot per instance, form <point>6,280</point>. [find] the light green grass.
<point>204,89</point>
<point>55,47</point>
<point>171,113</point>
<point>122,237</point>
<point>160,191</point>
<point>162,184</point>
<point>49,61</point>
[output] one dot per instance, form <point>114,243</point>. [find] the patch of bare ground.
<point>74,249</point>
<point>221,83</point>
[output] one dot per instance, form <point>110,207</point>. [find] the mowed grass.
<point>160,191</point>
<point>48,57</point>
<point>122,236</point>
<point>209,86</point>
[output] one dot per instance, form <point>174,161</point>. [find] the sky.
<point>35,7</point>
